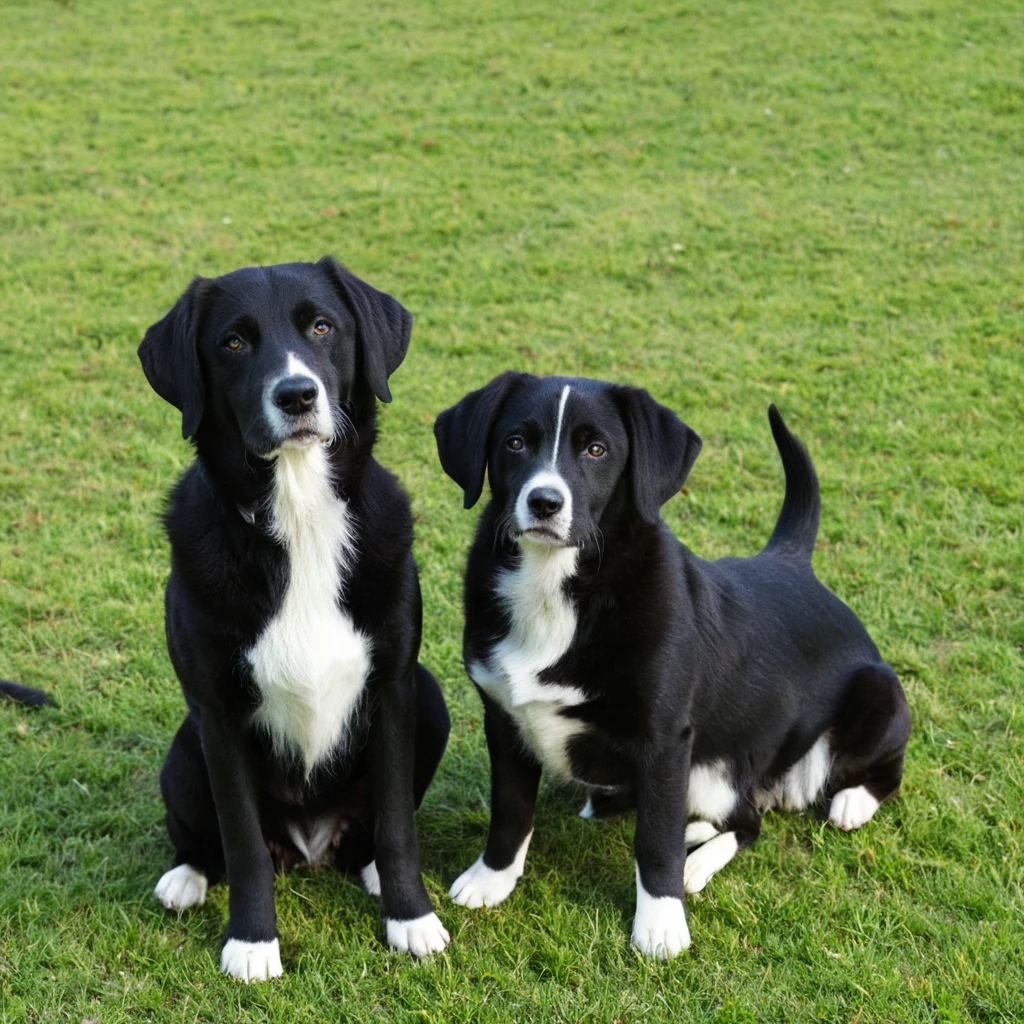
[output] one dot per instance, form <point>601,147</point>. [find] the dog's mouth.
<point>543,535</point>
<point>304,437</point>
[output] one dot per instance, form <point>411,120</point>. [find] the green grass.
<point>813,203</point>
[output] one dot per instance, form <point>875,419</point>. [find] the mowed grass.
<point>810,203</point>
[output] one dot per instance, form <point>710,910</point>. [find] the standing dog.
<point>293,606</point>
<point>606,652</point>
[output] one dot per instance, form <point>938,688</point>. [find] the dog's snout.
<point>296,395</point>
<point>544,502</point>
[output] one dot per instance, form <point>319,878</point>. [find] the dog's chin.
<point>541,536</point>
<point>297,441</point>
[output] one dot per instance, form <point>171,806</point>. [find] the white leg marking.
<point>420,936</point>
<point>704,862</point>
<point>181,887</point>
<point>481,886</point>
<point>251,961</point>
<point>698,832</point>
<point>659,928</point>
<point>558,426</point>
<point>370,878</point>
<point>851,808</point>
<point>587,810</point>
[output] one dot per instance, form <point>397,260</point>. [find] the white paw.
<point>708,859</point>
<point>481,886</point>
<point>587,810</point>
<point>370,879</point>
<point>181,888</point>
<point>851,808</point>
<point>251,961</point>
<point>698,832</point>
<point>659,928</point>
<point>420,936</point>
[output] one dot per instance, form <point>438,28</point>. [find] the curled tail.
<point>23,694</point>
<point>797,526</point>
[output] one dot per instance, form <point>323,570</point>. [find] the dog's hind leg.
<point>871,734</point>
<point>191,823</point>
<point>715,849</point>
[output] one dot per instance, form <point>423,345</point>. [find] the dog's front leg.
<point>515,778</point>
<point>659,928</point>
<point>251,950</point>
<point>409,920</point>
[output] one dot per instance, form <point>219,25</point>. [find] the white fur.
<point>659,928</point>
<point>710,794</point>
<point>707,860</point>
<point>481,886</point>
<point>309,663</point>
<point>563,398</point>
<point>587,810</point>
<point>318,419</point>
<point>314,841</point>
<point>851,808</point>
<point>181,888</point>
<point>420,936</point>
<point>371,878</point>
<point>543,622</point>
<point>251,961</point>
<point>698,832</point>
<point>560,522</point>
<point>800,787</point>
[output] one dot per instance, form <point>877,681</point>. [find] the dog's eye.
<point>595,451</point>
<point>515,443</point>
<point>233,342</point>
<point>321,327</point>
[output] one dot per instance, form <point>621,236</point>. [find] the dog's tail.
<point>23,694</point>
<point>797,526</point>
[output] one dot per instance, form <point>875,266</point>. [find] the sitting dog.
<point>608,653</point>
<point>293,608</point>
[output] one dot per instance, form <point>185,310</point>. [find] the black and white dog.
<point>293,606</point>
<point>608,653</point>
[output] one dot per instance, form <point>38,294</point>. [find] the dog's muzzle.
<point>544,509</point>
<point>298,412</point>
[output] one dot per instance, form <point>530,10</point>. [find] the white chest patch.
<point>543,623</point>
<point>309,663</point>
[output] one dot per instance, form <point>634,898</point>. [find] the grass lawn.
<point>814,203</point>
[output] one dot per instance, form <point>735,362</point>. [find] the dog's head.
<point>562,452</point>
<point>278,351</point>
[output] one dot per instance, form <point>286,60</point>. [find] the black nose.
<point>544,502</point>
<point>295,395</point>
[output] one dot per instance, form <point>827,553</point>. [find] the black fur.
<point>24,694</point>
<point>744,662</point>
<point>230,797</point>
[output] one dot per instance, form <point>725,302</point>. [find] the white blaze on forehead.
<point>558,425</point>
<point>295,366</point>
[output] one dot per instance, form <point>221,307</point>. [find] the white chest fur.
<point>543,622</point>
<point>309,663</point>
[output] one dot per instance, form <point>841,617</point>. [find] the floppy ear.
<point>462,433</point>
<point>169,361</point>
<point>662,450</point>
<point>383,325</point>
